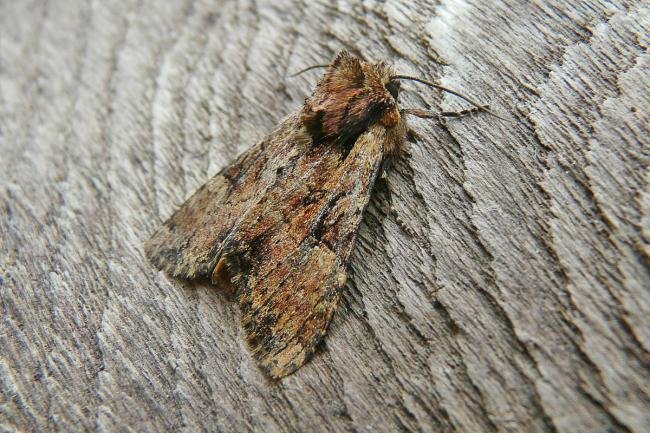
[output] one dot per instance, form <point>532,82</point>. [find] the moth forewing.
<point>296,246</point>
<point>188,244</point>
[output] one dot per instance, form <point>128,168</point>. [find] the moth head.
<point>351,96</point>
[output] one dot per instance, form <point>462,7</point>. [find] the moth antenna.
<point>309,68</point>
<point>445,89</point>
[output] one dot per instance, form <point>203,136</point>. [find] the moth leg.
<point>462,113</point>
<point>425,114</point>
<point>395,215</point>
<point>400,222</point>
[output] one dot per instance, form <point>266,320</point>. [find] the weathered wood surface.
<point>521,304</point>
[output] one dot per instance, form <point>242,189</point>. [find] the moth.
<point>276,227</point>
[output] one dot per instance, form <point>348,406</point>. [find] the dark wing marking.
<point>289,256</point>
<point>189,243</point>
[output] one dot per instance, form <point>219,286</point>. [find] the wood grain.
<point>501,279</point>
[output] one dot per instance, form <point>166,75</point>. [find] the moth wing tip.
<point>280,364</point>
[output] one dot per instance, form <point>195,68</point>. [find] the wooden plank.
<point>520,303</point>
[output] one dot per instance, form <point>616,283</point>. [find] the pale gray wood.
<point>519,304</point>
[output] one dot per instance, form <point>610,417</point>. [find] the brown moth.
<point>276,227</point>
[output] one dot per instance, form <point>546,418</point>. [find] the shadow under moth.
<point>276,227</point>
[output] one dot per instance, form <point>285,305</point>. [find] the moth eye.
<point>393,88</point>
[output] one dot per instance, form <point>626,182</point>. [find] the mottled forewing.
<point>189,243</point>
<point>290,255</point>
